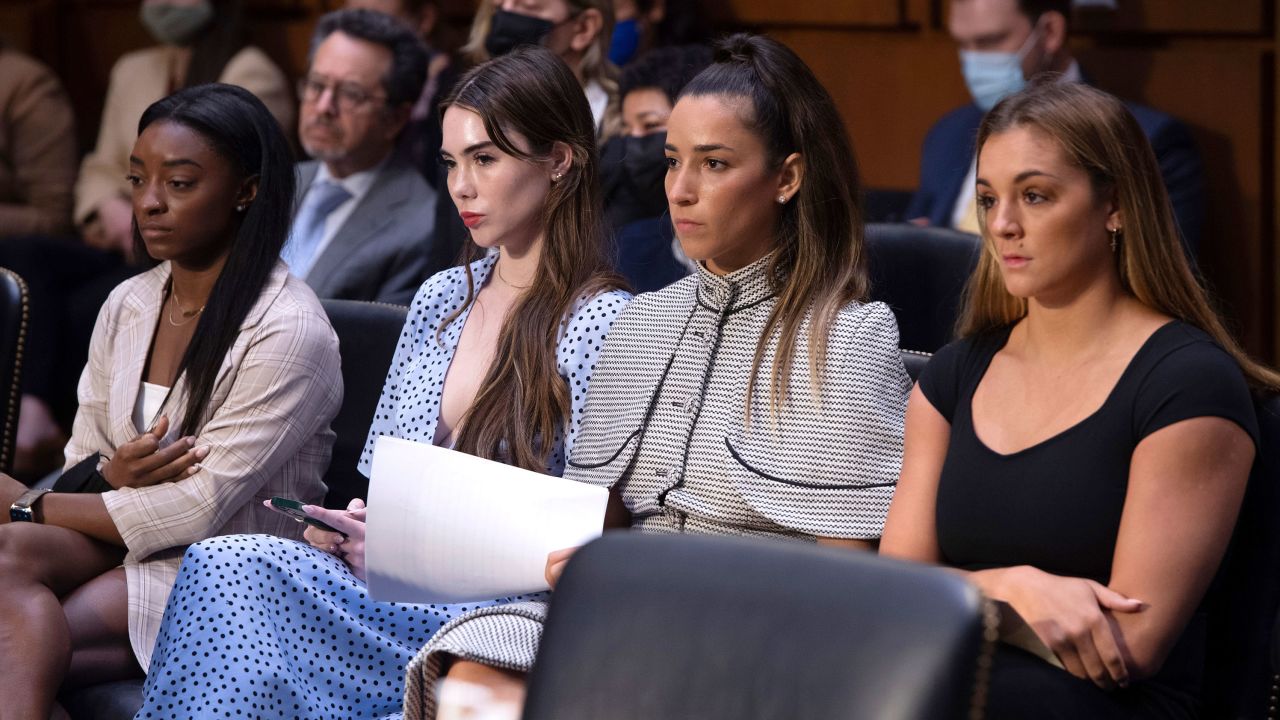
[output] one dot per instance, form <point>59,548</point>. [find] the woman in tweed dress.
<point>494,358</point>
<point>211,382</point>
<point>761,396</point>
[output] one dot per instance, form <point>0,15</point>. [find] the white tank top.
<point>147,407</point>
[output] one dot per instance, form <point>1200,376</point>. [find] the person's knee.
<point>20,555</point>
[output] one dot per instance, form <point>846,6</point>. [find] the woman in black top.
<point>1083,450</point>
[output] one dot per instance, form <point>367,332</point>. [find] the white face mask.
<point>174,24</point>
<point>993,76</point>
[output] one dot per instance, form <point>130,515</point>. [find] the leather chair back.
<point>13,336</point>
<point>1241,679</point>
<point>921,273</point>
<point>883,205</point>
<point>716,628</point>
<point>367,335</point>
<point>914,361</point>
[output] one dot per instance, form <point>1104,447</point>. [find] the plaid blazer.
<point>267,428</point>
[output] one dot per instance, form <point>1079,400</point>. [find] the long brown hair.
<point>1098,134</point>
<point>595,62</point>
<point>523,402</point>
<point>819,265</point>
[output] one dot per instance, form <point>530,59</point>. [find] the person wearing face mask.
<point>1002,44</point>
<point>199,41</point>
<point>643,25</point>
<point>634,167</point>
<point>576,31</point>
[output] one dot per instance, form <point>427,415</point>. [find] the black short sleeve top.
<point>1057,504</point>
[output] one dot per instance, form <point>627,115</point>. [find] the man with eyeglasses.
<point>364,224</point>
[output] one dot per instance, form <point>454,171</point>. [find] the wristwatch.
<point>21,510</point>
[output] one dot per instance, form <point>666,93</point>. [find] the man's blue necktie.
<point>308,228</point>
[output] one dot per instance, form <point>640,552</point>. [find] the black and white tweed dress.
<point>668,420</point>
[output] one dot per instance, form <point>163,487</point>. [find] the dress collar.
<point>739,289</point>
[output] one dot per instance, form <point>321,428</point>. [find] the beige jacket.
<point>267,428</point>
<point>141,78</point>
<point>37,149</point>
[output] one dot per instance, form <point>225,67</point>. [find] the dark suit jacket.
<point>949,148</point>
<point>387,246</point>
<point>644,254</point>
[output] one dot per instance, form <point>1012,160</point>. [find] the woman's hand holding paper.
<point>556,560</point>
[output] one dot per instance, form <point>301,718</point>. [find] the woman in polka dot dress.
<point>494,360</point>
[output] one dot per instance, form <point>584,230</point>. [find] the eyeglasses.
<point>348,97</point>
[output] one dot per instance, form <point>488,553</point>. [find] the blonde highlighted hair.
<point>1099,135</point>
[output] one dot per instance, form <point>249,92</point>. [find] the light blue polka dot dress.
<point>262,627</point>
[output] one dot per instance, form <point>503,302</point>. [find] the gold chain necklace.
<point>188,315</point>
<point>498,267</point>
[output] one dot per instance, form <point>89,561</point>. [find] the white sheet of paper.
<point>445,526</point>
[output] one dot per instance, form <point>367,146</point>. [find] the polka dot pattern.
<point>410,402</point>
<point>261,627</point>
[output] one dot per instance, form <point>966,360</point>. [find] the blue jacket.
<point>949,148</point>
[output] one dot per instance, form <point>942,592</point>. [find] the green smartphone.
<point>293,509</point>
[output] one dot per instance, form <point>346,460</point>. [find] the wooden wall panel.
<point>18,25</point>
<point>868,74</point>
<point>871,13</point>
<point>1272,269</point>
<point>1222,93</point>
<point>1240,17</point>
<point>29,25</point>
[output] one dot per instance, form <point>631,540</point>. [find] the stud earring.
<point>241,207</point>
<point>1115,238</point>
<point>782,199</point>
<point>557,177</point>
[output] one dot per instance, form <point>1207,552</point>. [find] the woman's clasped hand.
<point>143,462</point>
<point>1073,618</point>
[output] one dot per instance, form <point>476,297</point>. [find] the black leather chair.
<point>14,311</point>
<point>914,361</point>
<point>921,273</point>
<point>1241,680</point>
<point>367,335</point>
<point>714,628</point>
<point>882,205</point>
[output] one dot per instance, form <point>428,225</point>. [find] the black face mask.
<point>633,170</point>
<point>508,30</point>
<point>645,160</point>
